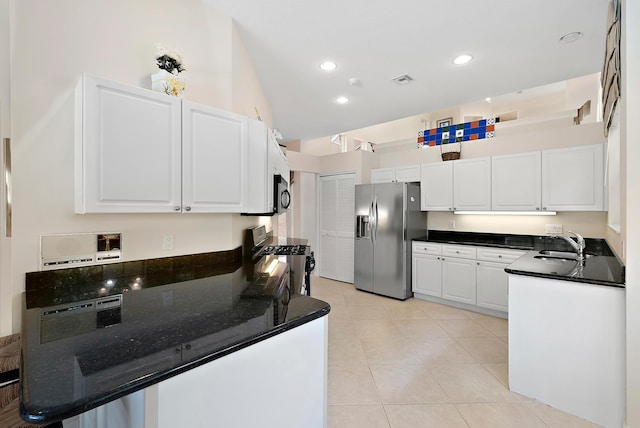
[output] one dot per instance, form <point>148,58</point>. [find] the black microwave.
<point>281,198</point>
<point>281,195</point>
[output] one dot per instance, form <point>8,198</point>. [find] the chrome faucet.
<point>578,247</point>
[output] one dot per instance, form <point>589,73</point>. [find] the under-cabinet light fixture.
<point>506,212</point>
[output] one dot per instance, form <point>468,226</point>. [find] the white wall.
<point>588,224</point>
<point>53,42</point>
<point>537,139</point>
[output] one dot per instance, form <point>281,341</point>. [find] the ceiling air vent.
<point>403,79</point>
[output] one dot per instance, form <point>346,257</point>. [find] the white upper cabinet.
<point>515,181</point>
<point>266,160</point>
<point>472,184</point>
<point>456,185</point>
<point>140,151</point>
<point>567,179</point>
<point>383,175</point>
<point>214,159</point>
<point>408,174</point>
<point>436,187</point>
<point>127,149</point>
<point>573,178</point>
<point>401,174</point>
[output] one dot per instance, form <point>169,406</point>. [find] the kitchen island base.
<point>566,346</point>
<point>280,382</point>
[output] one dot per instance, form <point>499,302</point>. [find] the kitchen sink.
<point>556,259</point>
<point>563,254</point>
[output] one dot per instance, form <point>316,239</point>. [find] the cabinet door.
<point>472,184</point>
<point>436,187</point>
<point>214,159</point>
<point>573,179</point>
<point>383,175</point>
<point>408,174</point>
<point>337,218</point>
<point>492,286</point>
<point>127,149</point>
<point>426,272</point>
<point>515,181</point>
<point>459,280</point>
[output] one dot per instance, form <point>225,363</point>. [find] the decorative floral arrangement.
<point>168,60</point>
<point>168,80</point>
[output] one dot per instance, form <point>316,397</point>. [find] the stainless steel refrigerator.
<point>388,217</point>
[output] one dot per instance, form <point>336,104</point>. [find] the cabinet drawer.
<point>498,255</point>
<point>459,251</point>
<point>427,248</point>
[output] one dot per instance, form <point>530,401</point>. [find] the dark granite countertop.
<point>604,268</point>
<point>599,270</point>
<point>516,242</point>
<point>94,334</point>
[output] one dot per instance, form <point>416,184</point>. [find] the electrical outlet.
<point>167,242</point>
<point>452,224</point>
<point>553,229</point>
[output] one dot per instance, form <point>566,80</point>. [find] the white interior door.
<point>336,226</point>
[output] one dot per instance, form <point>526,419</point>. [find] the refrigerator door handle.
<point>371,223</point>
<point>375,231</point>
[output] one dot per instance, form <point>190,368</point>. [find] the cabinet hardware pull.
<point>187,209</point>
<point>499,256</point>
<point>176,208</point>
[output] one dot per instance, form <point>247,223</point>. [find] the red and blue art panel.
<point>468,131</point>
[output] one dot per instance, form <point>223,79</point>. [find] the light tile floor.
<point>415,364</point>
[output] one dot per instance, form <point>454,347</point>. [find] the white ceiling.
<point>515,45</point>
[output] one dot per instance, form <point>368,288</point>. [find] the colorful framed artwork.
<point>444,122</point>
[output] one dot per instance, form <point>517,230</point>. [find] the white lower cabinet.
<point>492,283</point>
<point>459,273</point>
<point>492,286</point>
<point>463,275</point>
<point>426,272</point>
<point>459,280</point>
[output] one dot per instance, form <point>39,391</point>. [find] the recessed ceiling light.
<point>570,37</point>
<point>488,99</point>
<point>342,100</point>
<point>328,66</point>
<point>462,59</point>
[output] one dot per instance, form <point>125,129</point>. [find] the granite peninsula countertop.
<point>603,268</point>
<point>94,334</point>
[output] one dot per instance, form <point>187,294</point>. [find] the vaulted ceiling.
<point>515,45</point>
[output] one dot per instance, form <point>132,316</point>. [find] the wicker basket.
<point>452,155</point>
